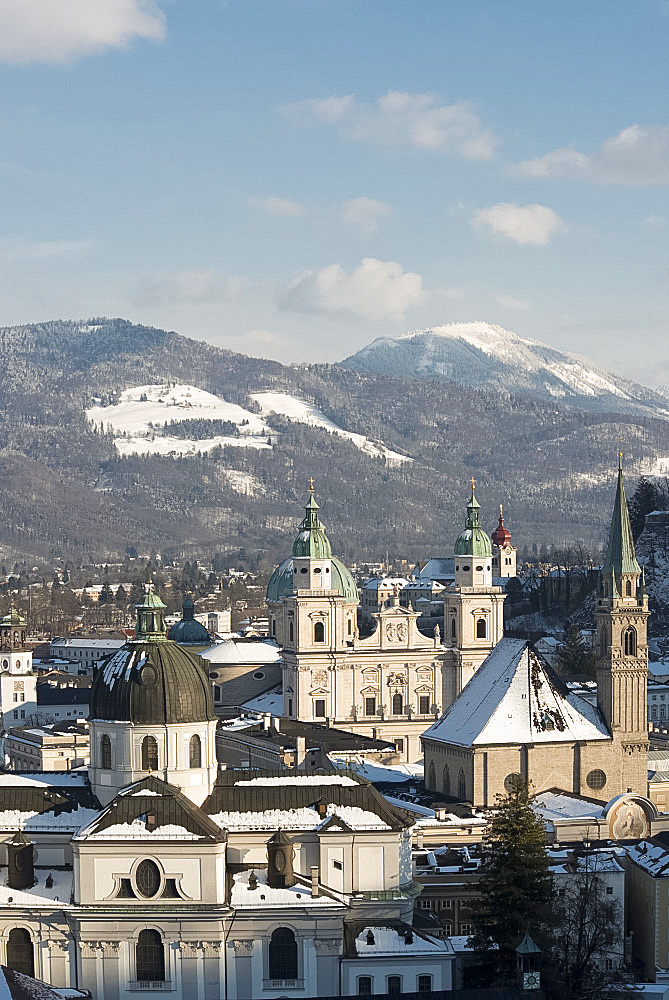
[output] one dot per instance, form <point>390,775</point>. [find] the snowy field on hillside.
<point>141,413</point>
<point>297,410</point>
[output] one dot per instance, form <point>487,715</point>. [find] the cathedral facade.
<point>392,684</point>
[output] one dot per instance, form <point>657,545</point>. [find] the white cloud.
<point>400,119</point>
<point>283,208</point>
<point>509,302</point>
<point>364,214</point>
<point>376,289</point>
<point>56,31</point>
<point>637,155</point>
<point>42,250</point>
<point>530,225</point>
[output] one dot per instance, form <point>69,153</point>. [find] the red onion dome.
<point>501,536</point>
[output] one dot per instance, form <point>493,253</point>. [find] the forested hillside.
<point>66,490</point>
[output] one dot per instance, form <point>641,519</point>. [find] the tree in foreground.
<point>587,936</point>
<point>575,657</point>
<point>515,886</point>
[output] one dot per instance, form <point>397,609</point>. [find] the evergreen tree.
<point>575,657</point>
<point>515,885</point>
<point>646,497</point>
<point>121,595</point>
<point>106,594</point>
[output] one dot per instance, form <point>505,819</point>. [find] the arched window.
<point>431,777</point>
<point>462,785</point>
<point>149,753</point>
<point>283,954</point>
<point>290,632</point>
<point>364,986</point>
<point>105,752</point>
<point>653,712</point>
<point>481,628</point>
<point>20,951</point>
<point>662,711</point>
<point>628,589</point>
<point>447,780</point>
<point>150,957</point>
<point>452,628</point>
<point>319,632</point>
<point>195,751</point>
<point>629,641</point>
<point>397,704</point>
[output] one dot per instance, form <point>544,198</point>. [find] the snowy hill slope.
<point>485,356</point>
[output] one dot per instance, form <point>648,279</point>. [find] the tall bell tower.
<point>622,646</point>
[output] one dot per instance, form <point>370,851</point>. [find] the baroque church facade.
<point>160,872</point>
<point>392,684</point>
<point>516,717</point>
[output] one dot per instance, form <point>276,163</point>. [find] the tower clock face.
<point>530,980</point>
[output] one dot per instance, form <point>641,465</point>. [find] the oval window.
<point>479,569</point>
<point>596,779</point>
<point>466,569</point>
<point>259,675</point>
<point>317,569</point>
<point>303,570</point>
<point>147,878</point>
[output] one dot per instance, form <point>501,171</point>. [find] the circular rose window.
<point>596,779</point>
<point>147,878</point>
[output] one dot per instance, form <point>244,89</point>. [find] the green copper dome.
<point>312,540</point>
<point>473,541</point>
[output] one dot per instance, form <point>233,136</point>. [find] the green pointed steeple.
<point>312,540</point>
<point>620,553</point>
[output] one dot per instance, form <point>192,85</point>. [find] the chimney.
<point>315,892</point>
<point>266,720</point>
<point>300,751</point>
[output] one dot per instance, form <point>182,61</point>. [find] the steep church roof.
<point>620,553</point>
<point>514,697</point>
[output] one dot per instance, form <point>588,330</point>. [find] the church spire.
<point>620,553</point>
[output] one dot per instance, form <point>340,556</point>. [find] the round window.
<point>466,569</point>
<point>317,569</point>
<point>479,569</point>
<point>511,781</point>
<point>303,570</point>
<point>596,779</point>
<point>147,878</point>
<point>259,675</point>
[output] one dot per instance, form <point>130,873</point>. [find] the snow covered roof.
<point>391,938</point>
<point>385,582</point>
<point>557,805</point>
<point>242,650</point>
<point>651,855</point>
<point>265,895</point>
<point>435,569</point>
<point>515,698</point>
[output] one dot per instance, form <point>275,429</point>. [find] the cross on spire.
<point>473,482</point>
<point>311,484</point>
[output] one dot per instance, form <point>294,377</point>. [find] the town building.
<point>61,696</point>
<point>647,904</point>
<point>516,717</point>
<point>241,667</point>
<point>379,591</point>
<point>84,654</point>
<point>61,746</point>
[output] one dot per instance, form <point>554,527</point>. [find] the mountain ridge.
<point>482,354</point>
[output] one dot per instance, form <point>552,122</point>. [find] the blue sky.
<point>293,178</point>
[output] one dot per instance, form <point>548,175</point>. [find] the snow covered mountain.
<point>485,356</point>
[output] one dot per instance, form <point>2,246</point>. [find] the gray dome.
<point>189,632</point>
<point>154,684</point>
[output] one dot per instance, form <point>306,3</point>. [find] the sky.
<point>294,178</point>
